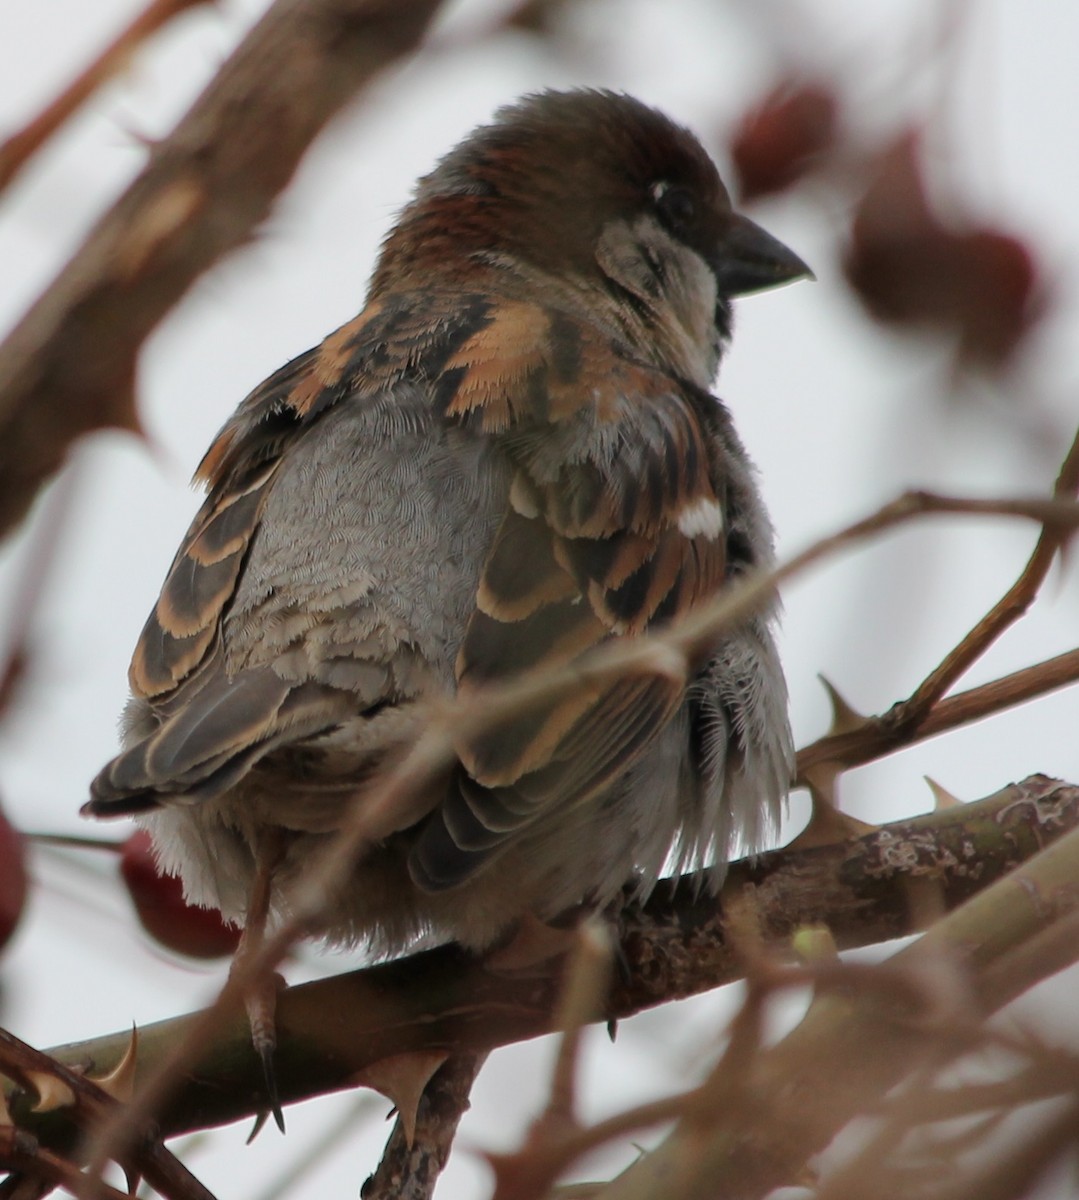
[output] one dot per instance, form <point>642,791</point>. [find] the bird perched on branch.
<point>509,459</point>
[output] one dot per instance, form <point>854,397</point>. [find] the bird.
<point>509,460</point>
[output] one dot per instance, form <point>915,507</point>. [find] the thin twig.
<point>1011,606</point>
<point>74,841</point>
<point>17,150</point>
<point>582,1001</point>
<point>69,366</point>
<point>874,740</point>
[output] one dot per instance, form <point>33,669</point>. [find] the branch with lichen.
<point>866,1032</point>
<point>443,1001</point>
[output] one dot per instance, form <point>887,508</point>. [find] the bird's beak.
<point>749,259</point>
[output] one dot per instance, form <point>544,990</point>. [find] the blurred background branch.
<point>674,946</point>
<point>69,366</point>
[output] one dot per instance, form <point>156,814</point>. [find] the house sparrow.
<point>510,458</point>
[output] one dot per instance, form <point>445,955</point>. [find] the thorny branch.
<point>19,148</point>
<point>925,713</point>
<point>674,946</point>
<point>69,365</point>
<point>56,1085</point>
<point>1011,606</point>
<point>866,744</point>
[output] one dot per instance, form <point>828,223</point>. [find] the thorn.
<point>528,1172</point>
<point>845,717</point>
<point>261,1117</point>
<point>266,1048</point>
<point>807,1176</point>
<point>52,1093</point>
<point>119,1083</point>
<point>822,781</point>
<point>133,1178</point>
<point>612,1029</point>
<point>827,824</point>
<point>139,137</point>
<point>121,410</point>
<point>533,942</point>
<point>402,1078</point>
<point>942,798</point>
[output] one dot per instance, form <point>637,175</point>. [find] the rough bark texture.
<point>866,890</point>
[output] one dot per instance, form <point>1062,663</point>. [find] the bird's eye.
<point>675,205</point>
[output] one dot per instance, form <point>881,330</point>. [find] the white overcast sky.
<point>839,415</point>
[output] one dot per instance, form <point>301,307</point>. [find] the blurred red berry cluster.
<point>13,878</point>
<point>789,133</point>
<point>911,265</point>
<point>158,899</point>
<point>162,910</point>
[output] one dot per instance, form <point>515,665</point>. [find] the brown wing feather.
<point>614,528</point>
<point>179,633</point>
<point>212,727</point>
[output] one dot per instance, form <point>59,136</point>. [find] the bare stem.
<point>18,149</point>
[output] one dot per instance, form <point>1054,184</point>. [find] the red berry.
<point>911,266</point>
<point>163,911</point>
<point>13,881</point>
<point>789,133</point>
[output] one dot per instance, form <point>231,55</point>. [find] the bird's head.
<point>601,200</point>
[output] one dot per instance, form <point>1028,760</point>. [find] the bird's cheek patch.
<point>620,258</point>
